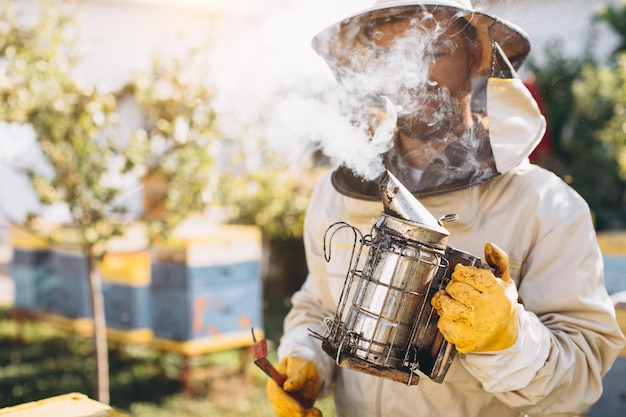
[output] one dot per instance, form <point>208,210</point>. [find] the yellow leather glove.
<point>302,378</point>
<point>477,309</point>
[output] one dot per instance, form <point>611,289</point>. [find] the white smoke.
<point>321,126</point>
<point>294,101</point>
<point>357,126</point>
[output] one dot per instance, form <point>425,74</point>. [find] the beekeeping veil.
<point>506,122</point>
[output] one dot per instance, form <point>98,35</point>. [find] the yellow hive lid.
<point>35,238</point>
<point>211,245</point>
<point>126,267</point>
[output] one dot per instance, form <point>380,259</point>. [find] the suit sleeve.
<point>569,336</point>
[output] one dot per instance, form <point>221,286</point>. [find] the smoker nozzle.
<point>400,203</point>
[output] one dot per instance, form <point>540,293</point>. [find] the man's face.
<point>429,62</point>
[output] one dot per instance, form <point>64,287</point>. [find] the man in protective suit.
<point>534,337</point>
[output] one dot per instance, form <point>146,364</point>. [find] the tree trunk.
<point>99,331</point>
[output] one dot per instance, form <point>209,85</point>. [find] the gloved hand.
<point>302,377</point>
<point>477,309</point>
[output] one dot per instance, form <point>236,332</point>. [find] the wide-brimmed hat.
<point>339,41</point>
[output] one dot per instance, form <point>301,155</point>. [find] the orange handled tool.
<point>259,350</point>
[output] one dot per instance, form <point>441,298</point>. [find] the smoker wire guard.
<point>434,363</point>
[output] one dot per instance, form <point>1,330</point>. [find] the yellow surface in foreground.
<point>68,405</point>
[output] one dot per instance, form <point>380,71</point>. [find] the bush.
<point>585,104</point>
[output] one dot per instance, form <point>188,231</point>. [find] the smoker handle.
<point>259,350</point>
<point>334,228</point>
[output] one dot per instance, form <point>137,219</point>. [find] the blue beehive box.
<point>207,285</point>
<point>125,287</point>
<point>613,246</point>
<point>124,272</point>
<point>615,273</point>
<point>72,295</point>
<point>30,271</point>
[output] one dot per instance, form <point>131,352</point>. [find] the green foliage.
<point>613,133</point>
<point>589,161</point>
<point>585,104</point>
<point>175,140</point>
<point>38,90</point>
<point>33,56</point>
<point>273,200</point>
<point>77,129</point>
<point>80,165</point>
<point>615,17</point>
<point>555,80</point>
<point>601,99</point>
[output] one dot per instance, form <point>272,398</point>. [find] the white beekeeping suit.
<point>565,336</point>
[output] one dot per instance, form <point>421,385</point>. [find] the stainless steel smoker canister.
<point>384,324</point>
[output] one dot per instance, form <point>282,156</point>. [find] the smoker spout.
<point>400,203</point>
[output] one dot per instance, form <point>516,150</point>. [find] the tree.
<point>599,155</point>
<point>585,104</point>
<point>76,128</point>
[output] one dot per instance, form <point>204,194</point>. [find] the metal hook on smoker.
<point>354,260</point>
<point>338,226</point>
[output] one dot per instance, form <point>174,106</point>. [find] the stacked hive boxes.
<point>125,288</point>
<point>125,272</point>
<point>54,279</point>
<point>206,288</point>
<point>51,279</point>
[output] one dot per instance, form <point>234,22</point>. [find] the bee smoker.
<point>384,324</point>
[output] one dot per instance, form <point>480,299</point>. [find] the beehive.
<point>207,284</point>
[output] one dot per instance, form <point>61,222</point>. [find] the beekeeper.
<point>533,338</point>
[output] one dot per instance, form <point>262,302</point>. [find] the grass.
<point>39,361</point>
